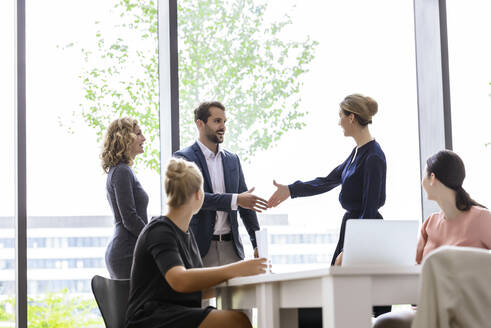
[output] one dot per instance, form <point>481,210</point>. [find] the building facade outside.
<point>66,252</point>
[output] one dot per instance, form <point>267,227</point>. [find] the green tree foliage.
<point>5,316</point>
<point>121,75</point>
<point>57,310</point>
<point>227,51</point>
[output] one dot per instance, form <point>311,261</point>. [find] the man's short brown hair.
<point>202,112</point>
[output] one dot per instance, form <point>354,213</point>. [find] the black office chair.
<point>112,298</point>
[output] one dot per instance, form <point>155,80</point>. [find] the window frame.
<point>434,119</point>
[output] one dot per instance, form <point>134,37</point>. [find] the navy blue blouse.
<point>362,182</point>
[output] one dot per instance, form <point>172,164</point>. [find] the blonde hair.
<point>363,107</point>
<point>182,179</point>
<point>118,139</point>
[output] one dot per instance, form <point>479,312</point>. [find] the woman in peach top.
<point>462,221</point>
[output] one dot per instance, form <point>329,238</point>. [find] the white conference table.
<point>345,294</point>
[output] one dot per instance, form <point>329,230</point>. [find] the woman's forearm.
<point>185,280</point>
<point>191,280</point>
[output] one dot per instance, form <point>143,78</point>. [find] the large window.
<point>470,85</point>
<point>7,171</point>
<point>88,63</point>
<point>281,68</point>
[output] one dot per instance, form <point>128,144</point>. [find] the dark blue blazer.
<point>203,223</point>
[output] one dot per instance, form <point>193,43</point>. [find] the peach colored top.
<point>471,229</point>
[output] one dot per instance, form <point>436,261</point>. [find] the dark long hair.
<point>449,169</point>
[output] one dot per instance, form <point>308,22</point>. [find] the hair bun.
<point>362,106</point>
<point>176,169</point>
<point>372,106</point>
<point>182,179</point>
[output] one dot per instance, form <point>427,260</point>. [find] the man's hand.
<point>282,193</point>
<point>250,201</point>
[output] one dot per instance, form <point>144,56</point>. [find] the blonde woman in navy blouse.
<point>361,176</point>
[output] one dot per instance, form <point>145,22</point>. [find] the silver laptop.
<point>380,242</point>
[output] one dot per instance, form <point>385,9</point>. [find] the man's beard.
<point>211,135</point>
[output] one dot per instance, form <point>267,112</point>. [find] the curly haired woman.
<point>122,142</point>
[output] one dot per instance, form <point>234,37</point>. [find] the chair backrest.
<point>454,288</point>
<point>112,298</point>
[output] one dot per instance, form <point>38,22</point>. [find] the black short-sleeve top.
<point>161,246</point>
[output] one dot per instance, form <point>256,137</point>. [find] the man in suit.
<point>215,226</point>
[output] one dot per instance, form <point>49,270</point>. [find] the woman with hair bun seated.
<point>122,142</point>
<point>461,222</point>
<point>168,280</point>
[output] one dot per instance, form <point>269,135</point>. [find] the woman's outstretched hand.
<point>282,192</point>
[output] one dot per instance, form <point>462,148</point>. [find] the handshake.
<point>250,201</point>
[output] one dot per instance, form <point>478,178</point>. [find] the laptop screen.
<point>380,242</point>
